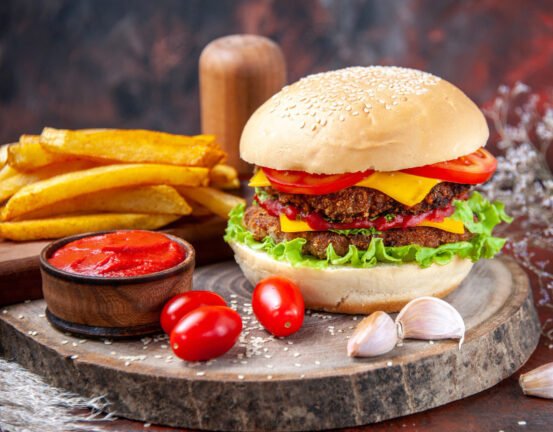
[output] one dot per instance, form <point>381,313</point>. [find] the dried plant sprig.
<point>523,122</point>
<point>27,403</point>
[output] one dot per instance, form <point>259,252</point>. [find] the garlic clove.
<point>538,382</point>
<point>430,318</point>
<point>373,336</point>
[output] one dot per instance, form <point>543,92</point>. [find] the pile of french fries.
<point>66,182</point>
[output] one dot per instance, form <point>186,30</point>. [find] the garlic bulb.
<point>538,382</point>
<point>430,318</point>
<point>374,335</point>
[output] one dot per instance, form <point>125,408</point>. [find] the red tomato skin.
<point>184,303</point>
<point>205,333</point>
<point>299,182</point>
<point>474,168</point>
<point>278,305</point>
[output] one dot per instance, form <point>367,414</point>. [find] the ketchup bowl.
<point>116,304</point>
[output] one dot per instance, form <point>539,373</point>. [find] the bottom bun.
<point>386,287</point>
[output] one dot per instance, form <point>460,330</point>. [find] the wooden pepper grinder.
<point>237,74</point>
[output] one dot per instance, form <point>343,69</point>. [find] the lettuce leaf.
<point>477,214</point>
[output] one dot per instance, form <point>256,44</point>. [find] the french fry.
<point>198,210</point>
<point>224,176</point>
<point>28,154</point>
<point>6,172</point>
<point>66,186</point>
<point>70,225</point>
<point>143,199</point>
<point>15,180</point>
<point>4,154</point>
<point>218,202</point>
<point>134,146</point>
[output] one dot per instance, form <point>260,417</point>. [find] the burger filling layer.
<point>361,226</point>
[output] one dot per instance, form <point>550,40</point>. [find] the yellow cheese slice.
<point>259,180</point>
<point>291,226</point>
<point>407,189</point>
<point>449,225</point>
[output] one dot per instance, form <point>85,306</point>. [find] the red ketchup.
<point>119,254</point>
<point>318,223</point>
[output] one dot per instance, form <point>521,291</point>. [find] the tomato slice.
<point>473,168</point>
<point>299,182</point>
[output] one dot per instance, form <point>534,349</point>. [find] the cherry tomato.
<point>474,168</point>
<point>278,305</point>
<point>205,333</point>
<point>186,302</point>
<point>299,182</point>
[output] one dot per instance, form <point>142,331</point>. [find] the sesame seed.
<point>64,342</point>
<point>389,364</point>
<point>522,423</point>
<point>74,357</point>
<point>201,373</point>
<point>240,377</point>
<point>269,377</point>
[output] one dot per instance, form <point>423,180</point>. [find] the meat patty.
<point>363,203</point>
<point>261,224</point>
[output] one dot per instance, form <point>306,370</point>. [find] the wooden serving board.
<point>19,264</point>
<point>304,382</point>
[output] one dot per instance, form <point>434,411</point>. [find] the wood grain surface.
<point>19,264</point>
<point>304,382</point>
<point>237,74</point>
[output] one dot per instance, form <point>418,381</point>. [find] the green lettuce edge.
<point>478,215</point>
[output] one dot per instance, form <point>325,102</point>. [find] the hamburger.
<point>364,189</point>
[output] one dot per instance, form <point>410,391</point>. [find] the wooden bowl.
<point>115,307</point>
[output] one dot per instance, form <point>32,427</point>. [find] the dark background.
<point>128,64</point>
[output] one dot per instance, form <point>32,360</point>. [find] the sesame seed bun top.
<point>359,118</point>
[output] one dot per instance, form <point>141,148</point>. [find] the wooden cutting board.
<point>304,382</point>
<point>19,264</point>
